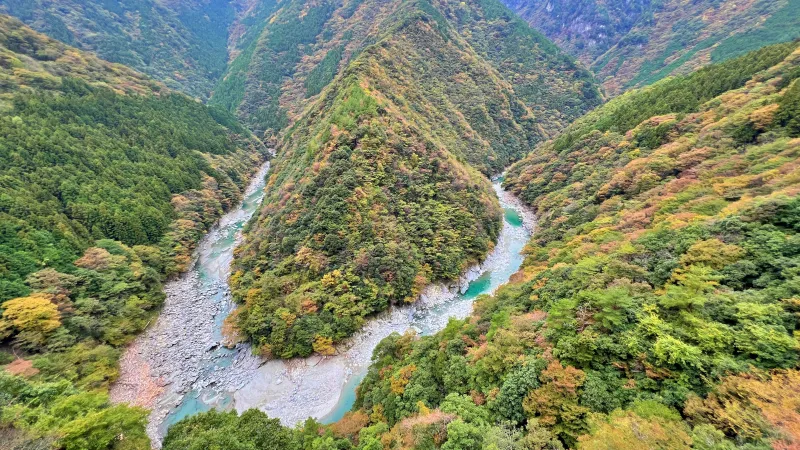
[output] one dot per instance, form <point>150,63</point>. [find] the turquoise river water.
<point>324,388</point>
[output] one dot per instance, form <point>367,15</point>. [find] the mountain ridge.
<point>265,94</point>
<point>656,306</point>
<point>630,44</point>
<point>659,298</point>
<point>108,180</point>
<point>176,43</point>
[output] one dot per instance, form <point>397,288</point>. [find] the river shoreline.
<point>178,367</point>
<point>293,390</point>
<point>166,360</point>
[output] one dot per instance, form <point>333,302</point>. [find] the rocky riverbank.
<point>168,360</point>
<point>178,367</point>
<point>300,388</point>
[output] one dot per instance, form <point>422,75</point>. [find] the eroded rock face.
<point>633,43</point>
<point>586,29</point>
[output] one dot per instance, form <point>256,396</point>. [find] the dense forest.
<point>274,46</point>
<point>368,204</point>
<point>181,43</point>
<point>659,299</point>
<point>374,194</point>
<point>584,28</point>
<point>636,43</point>
<point>305,45</point>
<point>32,62</point>
<point>657,306</point>
<point>102,196</point>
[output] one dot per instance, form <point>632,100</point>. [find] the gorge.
<point>179,366</point>
<point>294,236</point>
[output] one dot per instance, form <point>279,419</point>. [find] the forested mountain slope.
<point>584,28</point>
<point>375,193</point>
<point>657,306</point>
<point>31,61</point>
<point>183,43</point>
<point>102,196</point>
<point>635,43</point>
<point>305,44</point>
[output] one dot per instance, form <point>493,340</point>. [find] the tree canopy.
<point>103,195</point>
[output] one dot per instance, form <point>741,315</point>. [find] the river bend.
<point>177,367</point>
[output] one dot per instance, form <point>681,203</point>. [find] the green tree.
<point>212,430</point>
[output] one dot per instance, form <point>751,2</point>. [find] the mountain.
<point>629,43</point>
<point>33,62</point>
<point>657,306</point>
<point>655,222</point>
<point>107,181</point>
<point>183,43</point>
<point>377,188</point>
<point>584,28</point>
<point>304,45</point>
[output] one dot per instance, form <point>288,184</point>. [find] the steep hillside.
<point>371,197</point>
<point>584,28</point>
<point>657,307</point>
<point>547,80</point>
<point>635,43</point>
<point>305,45</point>
<point>103,195</point>
<point>30,61</point>
<point>183,43</point>
<point>375,191</point>
<point>663,230</point>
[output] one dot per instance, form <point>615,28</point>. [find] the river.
<point>177,367</point>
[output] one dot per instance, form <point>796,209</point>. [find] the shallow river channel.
<point>178,367</point>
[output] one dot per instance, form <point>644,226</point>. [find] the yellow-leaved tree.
<point>31,319</point>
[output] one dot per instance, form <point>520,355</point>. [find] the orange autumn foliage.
<point>754,405</point>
